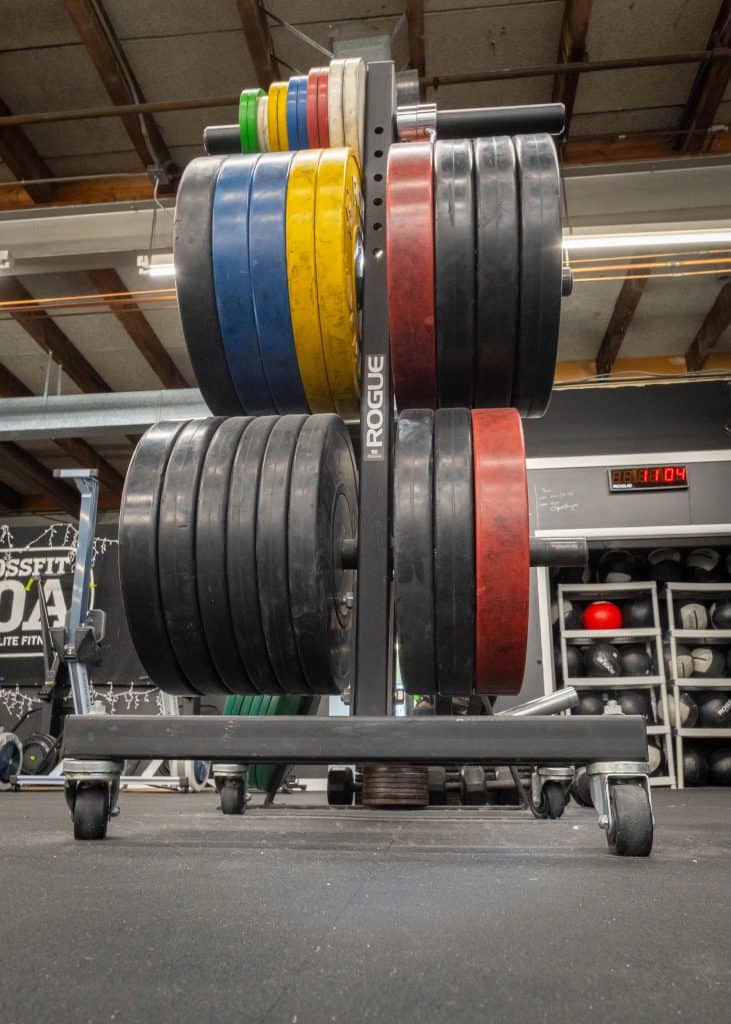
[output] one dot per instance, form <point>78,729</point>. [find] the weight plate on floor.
<point>40,754</point>
<point>323,509</point>
<point>247,120</point>
<point>194,284</point>
<point>498,270</point>
<point>138,564</point>
<point>217,612</point>
<point>277,116</point>
<point>262,124</point>
<point>410,269</point>
<point>413,549</point>
<point>268,267</point>
<point>176,555</point>
<point>502,550</point>
<point>454,552</point>
<point>338,242</point>
<point>233,284</point>
<point>272,528</point>
<point>243,499</point>
<point>336,128</point>
<point>303,297</point>
<point>354,88</point>
<point>454,255</point>
<point>293,123</point>
<point>540,272</point>
<point>313,130</point>
<point>323,120</point>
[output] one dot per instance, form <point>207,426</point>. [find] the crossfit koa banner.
<point>31,556</point>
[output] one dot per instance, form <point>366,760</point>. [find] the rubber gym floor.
<point>302,913</point>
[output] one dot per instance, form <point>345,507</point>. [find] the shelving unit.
<point>655,684</point>
<point>705,592</point>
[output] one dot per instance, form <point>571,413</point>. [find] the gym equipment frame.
<point>614,747</point>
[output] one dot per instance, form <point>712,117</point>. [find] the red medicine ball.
<point>602,615</point>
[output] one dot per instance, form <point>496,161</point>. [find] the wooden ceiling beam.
<point>23,464</point>
<point>105,51</point>
<point>708,89</point>
<point>258,41</point>
<point>715,323</point>
<point>624,309</point>
<point>417,47</point>
<point>107,281</point>
<point>23,160</point>
<point>79,450</point>
<point>49,336</point>
<point>10,499</point>
<point>571,48</point>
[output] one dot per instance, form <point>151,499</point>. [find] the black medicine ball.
<point>618,566</point>
<point>721,614</point>
<point>634,702</point>
<point>695,766</point>
<point>708,661</point>
<point>589,704</point>
<point>683,657</point>
<point>603,660</point>
<point>637,613</point>
<point>636,660</point>
<point>719,766</point>
<point>691,615</point>
<point>714,712</point>
<point>728,661</point>
<point>688,711</point>
<point>571,614</point>
<point>665,565</point>
<point>703,565</point>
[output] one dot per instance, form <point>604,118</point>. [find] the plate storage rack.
<point>704,593</point>
<point>655,684</point>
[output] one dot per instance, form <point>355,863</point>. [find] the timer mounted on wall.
<point>649,478</point>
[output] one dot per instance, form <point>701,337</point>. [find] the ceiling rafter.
<point>23,464</point>
<point>258,41</point>
<point>571,48</point>
<point>108,58</point>
<point>708,89</point>
<point>715,323</point>
<point>107,281</point>
<point>48,335</point>
<point>624,310</point>
<point>10,499</point>
<point>417,48</point>
<point>77,448</point>
<point>23,160</point>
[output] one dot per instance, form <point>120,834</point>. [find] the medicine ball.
<point>589,704</point>
<point>691,615</point>
<point>665,565</point>
<point>719,766</point>
<point>703,565</point>
<point>655,758</point>
<point>708,661</point>
<point>574,661</point>
<point>602,615</point>
<point>688,711</point>
<point>695,766</point>
<point>638,613</point>
<point>684,660</point>
<point>728,564</point>
<point>618,566</point>
<point>603,660</point>
<point>571,614</point>
<point>634,702</point>
<point>636,659</point>
<point>721,614</point>
<point>714,711</point>
<point>728,661</point>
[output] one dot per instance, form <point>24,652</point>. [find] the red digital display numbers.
<point>648,478</point>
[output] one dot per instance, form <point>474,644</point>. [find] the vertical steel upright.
<point>374,640</point>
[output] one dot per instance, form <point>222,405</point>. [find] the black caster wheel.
<point>91,812</point>
<point>580,789</point>
<point>233,796</point>
<point>340,787</point>
<point>632,829</point>
<point>553,800</point>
